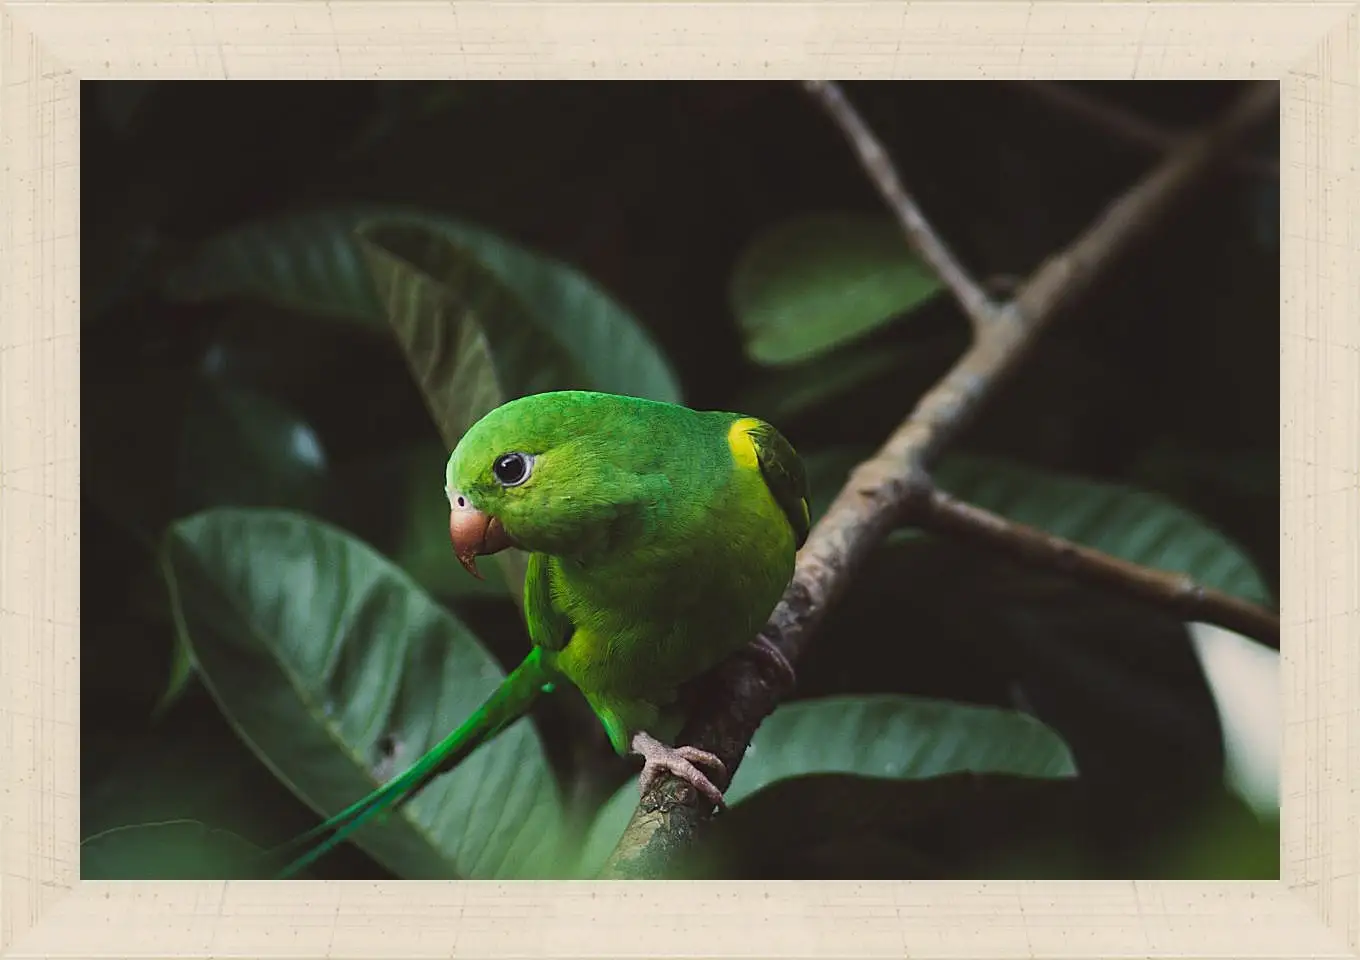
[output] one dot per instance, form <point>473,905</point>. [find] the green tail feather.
<point>507,703</point>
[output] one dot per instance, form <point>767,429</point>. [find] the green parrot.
<point>659,538</point>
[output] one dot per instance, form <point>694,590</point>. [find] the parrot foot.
<point>764,649</point>
<point>659,759</point>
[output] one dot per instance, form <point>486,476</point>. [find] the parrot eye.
<point>512,469</point>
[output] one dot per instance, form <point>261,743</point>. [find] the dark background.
<point>1164,377</point>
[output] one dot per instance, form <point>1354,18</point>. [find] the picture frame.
<point>47,48</point>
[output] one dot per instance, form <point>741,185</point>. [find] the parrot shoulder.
<point>757,445</point>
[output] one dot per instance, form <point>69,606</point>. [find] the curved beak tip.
<point>469,562</point>
<point>475,534</point>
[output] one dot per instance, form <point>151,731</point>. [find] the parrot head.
<point>528,473</point>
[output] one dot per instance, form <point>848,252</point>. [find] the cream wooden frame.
<point>47,47</point>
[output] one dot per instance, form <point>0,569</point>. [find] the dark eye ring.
<point>512,469</point>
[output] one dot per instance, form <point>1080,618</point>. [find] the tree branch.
<point>893,486</point>
<point>1114,119</point>
<point>926,242</point>
<point>1178,594</point>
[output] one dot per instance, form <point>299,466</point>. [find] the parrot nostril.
<point>461,502</point>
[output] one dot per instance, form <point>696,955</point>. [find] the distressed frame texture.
<point>47,47</point>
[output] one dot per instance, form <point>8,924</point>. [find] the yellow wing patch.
<point>742,446</point>
<point>757,446</point>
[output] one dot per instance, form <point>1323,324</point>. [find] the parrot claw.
<point>684,762</point>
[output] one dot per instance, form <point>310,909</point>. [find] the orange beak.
<point>474,534</point>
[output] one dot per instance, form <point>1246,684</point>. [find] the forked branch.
<point>893,487</point>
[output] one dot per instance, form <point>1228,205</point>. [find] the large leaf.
<point>339,671</point>
<point>1127,523</point>
<point>466,336</point>
<point>610,347</point>
<point>171,850</point>
<point>820,280</point>
<point>469,337</point>
<point>312,262</point>
<point>240,447</point>
<point>884,737</point>
<point>898,738</point>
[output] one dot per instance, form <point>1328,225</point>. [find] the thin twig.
<point>879,166</point>
<point>1129,126</point>
<point>1175,593</point>
<point>893,486</point>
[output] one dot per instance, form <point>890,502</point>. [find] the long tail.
<point>507,703</point>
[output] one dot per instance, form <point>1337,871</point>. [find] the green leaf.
<point>466,336</point>
<point>608,346</point>
<point>897,738</point>
<point>470,339</point>
<point>1130,524</point>
<point>884,737</point>
<point>820,280</point>
<point>312,262</point>
<point>239,447</point>
<point>340,672</point>
<point>173,850</point>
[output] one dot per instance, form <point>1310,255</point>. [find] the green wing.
<point>548,627</point>
<point>783,471</point>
